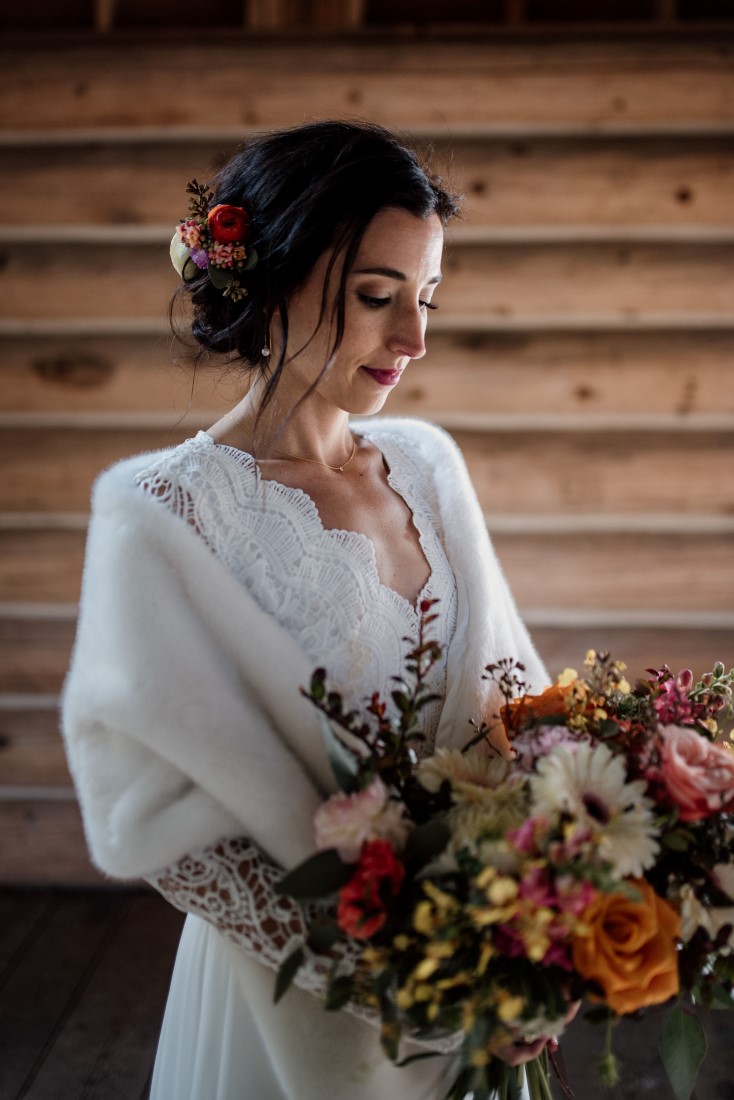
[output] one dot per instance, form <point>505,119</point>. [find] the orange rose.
<point>516,714</point>
<point>630,950</point>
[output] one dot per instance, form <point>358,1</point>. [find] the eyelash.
<point>375,303</point>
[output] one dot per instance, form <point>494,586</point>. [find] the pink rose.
<point>346,821</point>
<point>698,775</point>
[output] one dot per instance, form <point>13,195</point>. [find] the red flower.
<point>228,223</point>
<point>361,910</point>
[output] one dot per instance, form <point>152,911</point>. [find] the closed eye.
<point>374,303</point>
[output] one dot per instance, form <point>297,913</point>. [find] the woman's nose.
<point>407,336</point>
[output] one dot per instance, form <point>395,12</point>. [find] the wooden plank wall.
<point>583,354</point>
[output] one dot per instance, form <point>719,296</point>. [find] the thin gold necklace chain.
<point>302,458</point>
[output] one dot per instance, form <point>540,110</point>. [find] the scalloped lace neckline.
<point>361,543</point>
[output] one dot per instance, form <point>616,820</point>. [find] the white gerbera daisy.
<point>590,783</point>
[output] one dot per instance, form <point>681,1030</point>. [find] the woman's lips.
<point>384,377</point>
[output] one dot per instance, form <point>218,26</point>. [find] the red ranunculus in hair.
<point>228,223</point>
<point>361,911</point>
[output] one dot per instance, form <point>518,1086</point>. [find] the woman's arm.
<point>232,886</point>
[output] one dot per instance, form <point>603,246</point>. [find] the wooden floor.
<point>83,981</point>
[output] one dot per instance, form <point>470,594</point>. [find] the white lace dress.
<point>322,585</point>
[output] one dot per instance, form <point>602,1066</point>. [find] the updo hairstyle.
<point>307,189</point>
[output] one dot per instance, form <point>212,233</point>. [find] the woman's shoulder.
<point>185,471</point>
<point>425,439</point>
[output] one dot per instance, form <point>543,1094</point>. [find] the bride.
<point>220,572</point>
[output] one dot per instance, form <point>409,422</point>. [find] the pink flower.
<point>524,839</point>
<point>190,233</point>
<point>574,896</point>
<point>346,821</point>
<point>698,775</point>
<point>540,741</point>
<point>673,704</point>
<point>509,941</point>
<point>559,954</point>
<point>536,887</point>
<point>221,254</point>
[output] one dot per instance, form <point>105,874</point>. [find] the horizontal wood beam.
<point>35,701</point>
<point>681,321</point>
<point>538,185</point>
<point>557,617</point>
<point>544,472</point>
<point>503,285</point>
<point>35,649</point>
<point>654,572</point>
<point>43,842</point>
<point>583,374</point>
<point>440,131</point>
<point>464,235</point>
<point>498,423</point>
<point>26,792</point>
<point>672,523</point>
<point>648,86</point>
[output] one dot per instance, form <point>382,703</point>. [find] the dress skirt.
<point>224,1039</point>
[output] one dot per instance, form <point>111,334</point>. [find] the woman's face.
<point>388,295</point>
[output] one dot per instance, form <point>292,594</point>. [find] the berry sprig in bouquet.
<point>481,896</point>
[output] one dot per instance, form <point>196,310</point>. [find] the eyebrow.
<point>391,273</point>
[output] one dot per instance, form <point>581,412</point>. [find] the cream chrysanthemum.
<point>482,827</point>
<point>589,782</point>
<point>474,776</point>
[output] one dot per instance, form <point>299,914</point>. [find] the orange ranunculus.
<point>630,950</point>
<point>519,712</point>
<point>228,223</point>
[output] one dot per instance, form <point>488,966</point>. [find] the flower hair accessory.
<point>213,239</point>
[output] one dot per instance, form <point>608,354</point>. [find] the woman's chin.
<point>367,407</point>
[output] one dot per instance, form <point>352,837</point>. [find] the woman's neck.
<point>313,429</point>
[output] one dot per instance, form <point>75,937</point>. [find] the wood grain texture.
<point>47,976</point>
<point>585,374</point>
<point>43,843</point>
<point>549,473</point>
<point>113,374</point>
<point>251,84</point>
<point>31,748</point>
<point>605,570</point>
<point>543,472</point>
<point>531,181</point>
<point>552,280</point>
<point>23,920</point>
<point>107,1043</point>
<point>562,647</point>
<point>35,654</point>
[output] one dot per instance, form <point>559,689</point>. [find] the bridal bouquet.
<point>484,894</point>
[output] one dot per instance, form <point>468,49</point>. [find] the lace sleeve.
<point>231,885</point>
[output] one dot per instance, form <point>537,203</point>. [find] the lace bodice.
<point>323,586</point>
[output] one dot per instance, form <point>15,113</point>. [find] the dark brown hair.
<point>307,189</point>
